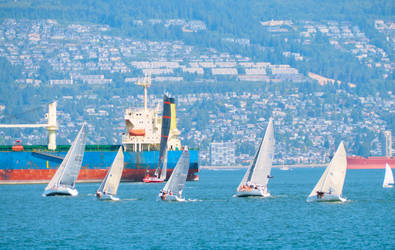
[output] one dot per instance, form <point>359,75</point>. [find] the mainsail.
<point>388,177</point>
<point>69,169</point>
<point>332,180</point>
<point>259,171</point>
<point>111,181</point>
<point>163,173</point>
<point>166,120</point>
<point>176,182</point>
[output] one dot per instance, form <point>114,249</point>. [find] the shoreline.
<point>274,166</point>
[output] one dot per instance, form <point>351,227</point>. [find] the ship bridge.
<point>143,126</point>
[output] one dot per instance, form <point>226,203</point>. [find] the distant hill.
<point>239,20</point>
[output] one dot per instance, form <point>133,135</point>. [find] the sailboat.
<point>162,163</point>
<point>109,186</point>
<point>388,177</point>
<point>330,185</point>
<point>284,168</point>
<point>63,182</point>
<point>175,185</point>
<point>254,182</point>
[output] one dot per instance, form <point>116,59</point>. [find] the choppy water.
<point>211,219</point>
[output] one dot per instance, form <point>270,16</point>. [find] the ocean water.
<point>211,218</point>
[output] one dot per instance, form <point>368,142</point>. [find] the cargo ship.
<point>38,163</point>
<point>374,162</point>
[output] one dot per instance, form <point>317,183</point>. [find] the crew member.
<point>320,194</point>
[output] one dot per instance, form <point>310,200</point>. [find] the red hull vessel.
<point>359,162</point>
<point>19,176</point>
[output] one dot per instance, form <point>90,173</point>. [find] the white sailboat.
<point>175,185</point>
<point>254,182</point>
<point>284,168</point>
<point>388,177</point>
<point>109,186</point>
<point>330,185</point>
<point>63,182</point>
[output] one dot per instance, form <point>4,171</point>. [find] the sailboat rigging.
<point>109,186</point>
<point>63,182</point>
<point>255,180</point>
<point>175,185</point>
<point>330,185</point>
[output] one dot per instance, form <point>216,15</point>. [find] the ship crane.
<point>51,126</point>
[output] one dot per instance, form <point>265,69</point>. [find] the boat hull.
<point>171,198</point>
<point>358,162</point>
<point>61,191</point>
<point>39,167</point>
<point>253,192</point>
<point>388,186</point>
<point>107,197</point>
<point>327,198</point>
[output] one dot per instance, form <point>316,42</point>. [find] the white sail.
<point>247,174</point>
<point>68,171</point>
<point>163,172</point>
<point>111,181</point>
<point>101,188</point>
<point>388,177</point>
<point>259,171</point>
<point>332,180</point>
<point>177,180</point>
<point>54,182</point>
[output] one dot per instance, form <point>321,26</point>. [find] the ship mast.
<point>145,83</point>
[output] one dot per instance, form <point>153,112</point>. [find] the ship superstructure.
<point>143,126</point>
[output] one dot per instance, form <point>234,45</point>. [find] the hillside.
<point>324,70</point>
<point>327,35</point>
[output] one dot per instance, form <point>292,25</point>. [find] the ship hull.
<point>39,167</point>
<point>358,162</point>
